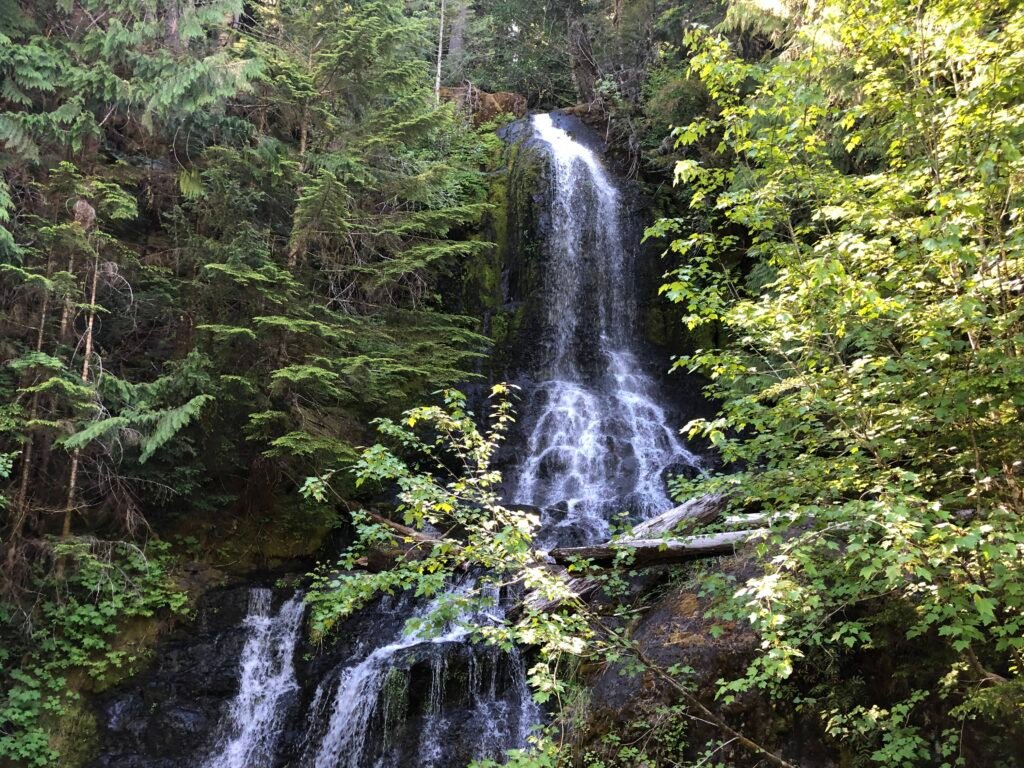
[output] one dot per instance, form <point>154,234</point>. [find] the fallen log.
<point>409,544</point>
<point>698,511</point>
<point>686,516</point>
<point>648,552</point>
<point>747,520</point>
<point>409,533</point>
<point>580,587</point>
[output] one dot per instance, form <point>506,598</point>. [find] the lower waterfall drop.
<point>370,698</point>
<point>266,683</point>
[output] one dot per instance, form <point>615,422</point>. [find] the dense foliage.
<point>872,385</point>
<point>76,631</point>
<point>209,273</point>
<point>223,231</point>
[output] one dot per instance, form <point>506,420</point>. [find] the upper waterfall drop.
<point>590,305</point>
<point>599,441</point>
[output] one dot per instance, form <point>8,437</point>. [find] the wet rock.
<point>677,630</point>
<point>163,717</point>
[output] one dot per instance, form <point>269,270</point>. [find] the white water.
<point>359,692</point>
<point>266,678</point>
<point>599,441</point>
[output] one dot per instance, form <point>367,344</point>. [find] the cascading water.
<point>599,441</point>
<point>267,685</point>
<point>372,695</point>
<point>422,699</point>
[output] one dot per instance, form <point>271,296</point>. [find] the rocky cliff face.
<point>678,630</point>
<point>436,703</point>
<point>160,718</point>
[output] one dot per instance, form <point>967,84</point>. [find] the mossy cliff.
<point>500,286</point>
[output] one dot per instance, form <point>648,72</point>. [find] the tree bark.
<point>649,552</point>
<point>581,59</point>
<point>33,413</point>
<point>457,41</point>
<point>694,512</point>
<point>21,505</point>
<point>580,587</point>
<point>172,21</point>
<point>86,360</point>
<point>65,314</point>
<point>440,51</point>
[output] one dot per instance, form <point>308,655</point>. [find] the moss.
<point>481,274</point>
<point>136,642</point>
<point>396,701</point>
<point>285,529</point>
<point>482,282</point>
<point>657,325</point>
<point>75,734</point>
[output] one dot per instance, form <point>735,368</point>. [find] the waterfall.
<point>371,696</point>
<point>266,681</point>
<point>599,441</point>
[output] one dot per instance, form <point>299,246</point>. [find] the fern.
<point>17,138</point>
<point>98,430</point>
<point>228,331</point>
<point>190,182</point>
<point>305,374</point>
<point>169,423</point>
<point>35,359</point>
<point>304,444</point>
<point>158,427</point>
<point>8,247</point>
<point>58,385</point>
<point>300,326</point>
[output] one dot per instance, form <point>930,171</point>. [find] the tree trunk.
<point>457,42</point>
<point>581,58</point>
<point>65,314</point>
<point>303,132</point>
<point>172,21</point>
<point>87,358</point>
<point>440,52</point>
<point>579,587</point>
<point>685,517</point>
<point>21,505</point>
<point>694,512</point>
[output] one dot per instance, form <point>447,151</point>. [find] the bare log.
<point>647,552</point>
<point>402,530</point>
<point>686,516</point>
<point>580,587</point>
<point>698,511</point>
<point>755,519</point>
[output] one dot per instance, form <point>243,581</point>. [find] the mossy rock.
<point>74,734</point>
